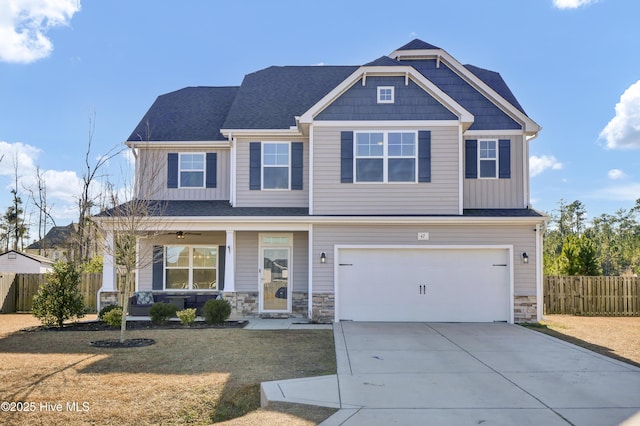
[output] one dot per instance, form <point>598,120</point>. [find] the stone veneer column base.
<point>107,298</point>
<point>246,305</point>
<point>525,309</point>
<point>323,308</point>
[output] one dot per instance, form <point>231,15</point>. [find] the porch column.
<point>108,264</point>
<point>229,263</point>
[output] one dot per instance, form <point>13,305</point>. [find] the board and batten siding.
<point>440,196</point>
<point>498,193</point>
<point>246,197</point>
<point>522,237</point>
<point>152,163</point>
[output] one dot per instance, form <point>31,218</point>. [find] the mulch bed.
<point>136,325</point>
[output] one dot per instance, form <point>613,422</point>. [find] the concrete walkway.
<point>465,374</point>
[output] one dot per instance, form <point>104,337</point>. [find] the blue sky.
<point>572,64</point>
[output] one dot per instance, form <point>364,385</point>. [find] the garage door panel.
<point>461,285</point>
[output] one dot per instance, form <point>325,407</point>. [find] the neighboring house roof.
<point>56,237</point>
<point>272,98</point>
<point>37,258</point>
<point>189,114</point>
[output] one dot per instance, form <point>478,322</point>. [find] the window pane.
<point>192,179</point>
<point>402,170</point>
<point>402,144</point>
<point>177,278</point>
<point>276,178</point>
<point>177,256</point>
<point>369,144</point>
<point>487,149</point>
<point>192,161</point>
<point>205,257</point>
<point>276,154</point>
<point>487,168</point>
<point>204,279</point>
<point>369,170</point>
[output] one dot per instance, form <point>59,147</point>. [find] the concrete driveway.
<point>466,374</point>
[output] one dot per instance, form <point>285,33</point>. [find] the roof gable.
<point>417,44</point>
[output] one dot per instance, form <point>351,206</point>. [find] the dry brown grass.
<point>188,376</point>
<point>617,337</point>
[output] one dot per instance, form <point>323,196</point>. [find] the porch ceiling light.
<point>180,235</point>
<point>525,258</point>
<point>323,257</point>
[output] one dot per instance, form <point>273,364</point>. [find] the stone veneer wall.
<point>525,309</point>
<point>323,307</point>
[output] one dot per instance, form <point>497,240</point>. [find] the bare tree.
<point>39,200</point>
<point>135,215</point>
<point>86,201</point>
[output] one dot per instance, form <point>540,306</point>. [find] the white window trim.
<point>496,159</point>
<point>385,157</point>
<point>263,166</point>
<point>190,267</point>
<point>204,170</point>
<point>386,101</point>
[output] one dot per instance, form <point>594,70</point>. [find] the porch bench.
<point>191,300</point>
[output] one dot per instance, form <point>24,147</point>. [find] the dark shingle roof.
<point>273,97</point>
<point>502,213</point>
<point>417,44</point>
<point>177,208</point>
<point>189,114</point>
<point>57,236</point>
<point>384,61</point>
<point>495,81</point>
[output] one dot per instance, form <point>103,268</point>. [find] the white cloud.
<point>627,192</point>
<point>538,165</point>
<point>572,4</point>
<point>616,174</point>
<point>623,131</point>
<point>24,24</point>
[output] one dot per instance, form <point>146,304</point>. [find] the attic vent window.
<point>386,94</point>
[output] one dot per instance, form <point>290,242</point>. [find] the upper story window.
<point>275,165</point>
<point>386,94</point>
<point>192,170</point>
<point>488,158</point>
<point>385,156</point>
<point>191,267</point>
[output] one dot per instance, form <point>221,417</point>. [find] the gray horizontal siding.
<point>498,193</point>
<point>325,237</point>
<point>440,196</point>
<point>270,198</point>
<point>152,166</point>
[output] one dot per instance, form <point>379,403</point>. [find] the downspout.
<point>525,168</point>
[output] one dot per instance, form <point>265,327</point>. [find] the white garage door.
<point>420,284</point>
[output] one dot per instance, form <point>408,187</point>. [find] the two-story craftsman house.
<point>393,191</point>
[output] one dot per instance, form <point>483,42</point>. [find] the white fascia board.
<point>386,123</point>
<point>489,133</point>
<point>178,144</point>
<point>419,79</point>
<point>261,132</point>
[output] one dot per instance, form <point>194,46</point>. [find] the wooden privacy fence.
<point>26,286</point>
<point>581,295</point>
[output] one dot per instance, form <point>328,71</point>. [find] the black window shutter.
<point>346,157</point>
<point>212,170</point>
<point>172,170</point>
<point>504,158</point>
<point>471,159</point>
<point>157,272</point>
<point>424,156</point>
<point>222,254</point>
<point>255,165</point>
<point>297,159</point>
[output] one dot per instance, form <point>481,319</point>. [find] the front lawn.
<point>188,376</point>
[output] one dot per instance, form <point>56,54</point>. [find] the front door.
<point>275,272</point>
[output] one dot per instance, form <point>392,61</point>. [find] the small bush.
<point>59,298</point>
<point>216,311</point>
<point>161,312</point>
<point>106,309</point>
<point>113,317</point>
<point>187,317</point>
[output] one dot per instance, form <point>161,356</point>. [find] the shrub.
<point>113,317</point>
<point>187,317</point>
<point>161,312</point>
<point>59,298</point>
<point>106,309</point>
<point>216,311</point>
